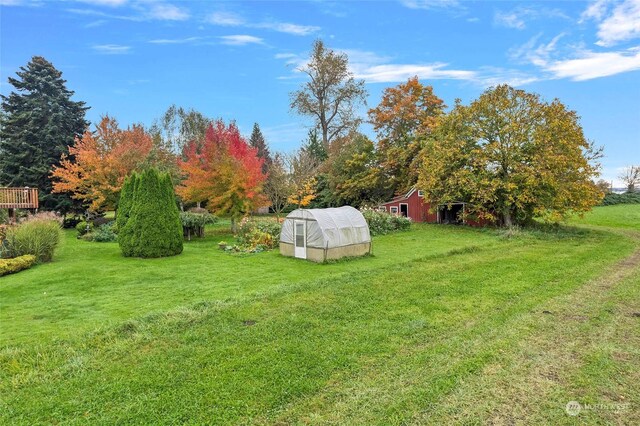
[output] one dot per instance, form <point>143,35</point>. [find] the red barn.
<point>414,206</point>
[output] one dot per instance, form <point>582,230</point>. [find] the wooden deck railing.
<point>18,198</point>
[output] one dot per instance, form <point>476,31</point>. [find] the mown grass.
<point>90,285</point>
<point>443,325</point>
<point>618,216</point>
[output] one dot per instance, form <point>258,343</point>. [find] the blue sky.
<point>237,60</point>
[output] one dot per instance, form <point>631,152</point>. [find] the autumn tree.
<point>38,122</point>
<point>178,126</point>
<point>514,157</point>
<point>99,162</point>
<point>304,168</point>
<point>603,186</point>
<point>256,140</point>
<point>304,193</point>
<point>332,95</point>
<point>225,172</point>
<point>354,176</point>
<point>278,186</point>
<point>630,176</point>
<point>405,115</point>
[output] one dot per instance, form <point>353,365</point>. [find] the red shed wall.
<point>418,209</point>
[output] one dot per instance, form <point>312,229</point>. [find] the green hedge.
<point>626,198</point>
<point>149,225</point>
<point>17,264</point>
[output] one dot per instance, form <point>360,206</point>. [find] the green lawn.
<point>618,216</point>
<point>442,325</point>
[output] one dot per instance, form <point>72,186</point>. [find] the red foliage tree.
<point>224,171</point>
<point>99,162</point>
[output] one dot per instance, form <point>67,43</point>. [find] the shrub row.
<point>148,218</point>
<point>627,198</point>
<point>17,264</point>
<point>382,223</point>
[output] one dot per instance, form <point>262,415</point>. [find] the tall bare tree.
<point>332,94</point>
<point>631,177</point>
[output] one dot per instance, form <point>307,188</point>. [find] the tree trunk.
<point>506,218</point>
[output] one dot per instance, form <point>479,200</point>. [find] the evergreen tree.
<point>153,228</point>
<point>38,122</point>
<point>257,141</point>
<point>125,203</point>
<point>314,148</point>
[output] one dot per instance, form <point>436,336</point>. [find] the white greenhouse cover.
<point>328,228</point>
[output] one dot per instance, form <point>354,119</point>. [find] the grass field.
<point>442,325</point>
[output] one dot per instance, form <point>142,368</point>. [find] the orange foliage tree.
<point>406,114</point>
<point>99,162</point>
<point>224,171</point>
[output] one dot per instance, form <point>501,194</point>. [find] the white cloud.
<point>141,10</point>
<point>97,23</point>
<point>510,20</point>
<point>589,65</point>
<point>167,12</point>
<point>576,62</point>
<point>392,73</point>
<point>176,40</point>
<point>430,4</point>
<point>241,40</point>
<point>615,24</point>
<point>596,10</point>
<point>228,19</point>
<point>109,3</point>
<point>284,27</point>
<point>111,49</point>
<point>374,68</point>
<point>518,17</point>
<point>225,19</point>
<point>537,54</point>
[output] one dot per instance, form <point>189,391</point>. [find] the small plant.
<point>37,235</point>
<point>105,233</point>
<point>4,216</point>
<point>16,264</point>
<point>193,223</point>
<point>71,222</point>
<point>256,235</point>
<point>84,228</point>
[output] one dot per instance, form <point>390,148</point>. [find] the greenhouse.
<point>325,234</point>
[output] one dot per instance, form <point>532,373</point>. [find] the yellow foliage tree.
<point>304,193</point>
<point>514,157</point>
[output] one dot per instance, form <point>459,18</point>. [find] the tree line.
<point>510,154</point>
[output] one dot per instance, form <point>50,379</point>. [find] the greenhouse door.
<point>300,239</point>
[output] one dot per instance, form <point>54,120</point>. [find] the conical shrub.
<point>153,227</point>
<point>125,203</point>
